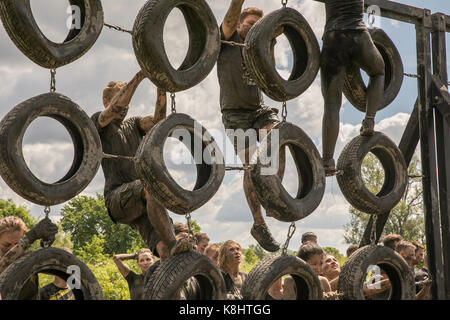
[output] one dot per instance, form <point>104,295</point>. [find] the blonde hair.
<point>112,89</point>
<point>11,224</point>
<point>248,11</point>
<point>141,251</point>
<point>223,252</point>
<point>212,247</point>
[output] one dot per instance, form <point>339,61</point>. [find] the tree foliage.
<point>9,208</point>
<point>406,219</point>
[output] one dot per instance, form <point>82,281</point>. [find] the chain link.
<point>373,232</point>
<point>47,211</point>
<point>190,232</point>
<point>173,103</point>
<point>117,28</point>
<point>284,3</point>
<point>284,111</point>
<point>52,80</point>
<point>291,232</point>
<point>116,157</point>
<point>233,44</point>
<point>412,75</point>
<point>44,243</point>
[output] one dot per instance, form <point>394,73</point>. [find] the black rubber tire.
<point>264,274</point>
<point>204,43</point>
<point>269,188</point>
<point>354,87</point>
<point>156,178</point>
<point>87,149</point>
<point>52,261</point>
<point>395,173</point>
<point>353,273</point>
<point>170,276</point>
<point>305,49</point>
<point>23,30</point>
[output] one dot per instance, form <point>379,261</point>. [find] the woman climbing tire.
<point>87,149</point>
<point>51,261</point>
<point>18,20</point>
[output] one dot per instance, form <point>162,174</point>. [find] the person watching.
<point>230,257</point>
<point>212,252</point>
<point>331,270</point>
<point>352,248</point>
<point>309,237</point>
<point>202,240</point>
<point>392,240</point>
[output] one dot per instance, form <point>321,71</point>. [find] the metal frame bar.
<point>430,123</point>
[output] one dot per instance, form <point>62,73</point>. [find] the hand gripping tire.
<point>52,261</point>
<point>353,273</point>
<point>268,270</point>
<point>354,87</point>
<point>87,149</point>
<point>306,54</point>
<point>25,33</point>
<point>170,276</point>
<point>351,181</point>
<point>155,176</point>
<point>204,43</point>
<point>269,188</point>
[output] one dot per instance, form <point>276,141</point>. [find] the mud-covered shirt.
<point>119,138</point>
<point>344,15</point>
<point>231,287</point>
<point>135,285</point>
<point>53,292</point>
<point>237,89</point>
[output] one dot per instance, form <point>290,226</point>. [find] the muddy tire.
<point>87,149</point>
<point>156,178</point>
<point>264,274</point>
<point>52,261</point>
<point>204,43</point>
<point>354,87</point>
<point>351,181</point>
<point>268,186</point>
<point>353,273</point>
<point>169,277</point>
<point>305,49</point>
<point>23,30</point>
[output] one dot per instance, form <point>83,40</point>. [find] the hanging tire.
<point>51,261</point>
<point>269,188</point>
<point>267,271</point>
<point>156,178</point>
<point>305,49</point>
<point>354,87</point>
<point>169,278</point>
<point>351,181</point>
<point>204,43</point>
<point>23,30</point>
<point>353,273</point>
<point>87,149</point>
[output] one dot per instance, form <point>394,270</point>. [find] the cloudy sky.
<point>49,152</point>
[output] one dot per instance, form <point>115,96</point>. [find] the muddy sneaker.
<point>181,245</point>
<point>329,167</point>
<point>262,234</point>
<point>367,128</point>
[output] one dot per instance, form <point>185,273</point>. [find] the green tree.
<point>9,208</point>
<point>335,252</point>
<point>259,251</point>
<point>92,251</point>
<point>84,217</point>
<point>406,219</point>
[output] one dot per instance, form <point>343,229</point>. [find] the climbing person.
<point>331,270</point>
<point>126,199</point>
<point>15,239</point>
<point>347,41</point>
<point>230,257</point>
<point>202,241</point>
<point>242,107</point>
<point>144,259</point>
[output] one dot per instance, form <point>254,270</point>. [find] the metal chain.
<point>291,231</point>
<point>244,167</point>
<point>46,244</point>
<point>412,75</point>
<point>46,211</point>
<point>116,157</point>
<point>234,44</point>
<point>284,3</point>
<point>52,80</point>
<point>117,28</point>
<point>284,111</point>
<point>174,105</point>
<point>190,232</point>
<point>373,232</point>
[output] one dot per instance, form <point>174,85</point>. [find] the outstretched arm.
<point>123,268</point>
<point>231,20</point>
<point>148,122</point>
<point>120,101</point>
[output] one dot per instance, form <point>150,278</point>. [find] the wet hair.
<point>180,227</point>
<point>308,236</point>
<point>200,236</point>
<point>403,245</point>
<point>212,247</point>
<point>223,252</point>
<point>352,248</point>
<point>390,239</point>
<point>11,224</point>
<point>141,251</point>
<point>418,245</point>
<point>248,11</point>
<point>309,249</point>
<point>112,89</point>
